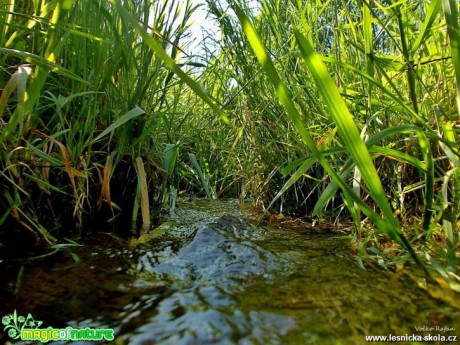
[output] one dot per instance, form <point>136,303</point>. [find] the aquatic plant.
<point>388,117</point>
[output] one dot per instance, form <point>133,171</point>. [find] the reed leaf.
<point>453,29</point>
<point>433,10</point>
<point>133,113</point>
<point>347,167</point>
<point>306,164</point>
<point>143,188</point>
<point>388,226</point>
<point>346,126</point>
<point>168,61</point>
<point>204,179</point>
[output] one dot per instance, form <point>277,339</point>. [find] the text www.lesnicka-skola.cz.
<point>412,337</point>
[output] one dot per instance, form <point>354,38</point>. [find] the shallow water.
<point>206,280</point>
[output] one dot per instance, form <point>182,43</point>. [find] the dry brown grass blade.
<point>71,172</point>
<point>145,208</point>
<point>105,183</point>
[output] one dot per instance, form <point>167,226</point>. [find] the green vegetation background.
<point>338,109</point>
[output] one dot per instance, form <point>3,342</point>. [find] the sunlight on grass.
<point>110,111</point>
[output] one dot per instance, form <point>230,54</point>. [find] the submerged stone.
<point>219,247</point>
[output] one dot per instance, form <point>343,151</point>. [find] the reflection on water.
<point>212,278</point>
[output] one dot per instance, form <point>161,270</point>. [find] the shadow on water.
<point>209,277</point>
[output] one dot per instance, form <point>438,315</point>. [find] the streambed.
<point>210,276</point>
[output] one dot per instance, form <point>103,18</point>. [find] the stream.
<point>210,275</point>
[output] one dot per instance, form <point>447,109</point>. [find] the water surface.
<point>208,277</point>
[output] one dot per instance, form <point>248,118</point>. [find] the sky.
<point>200,24</point>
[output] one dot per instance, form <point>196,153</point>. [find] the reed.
<point>342,109</point>
<point>81,94</point>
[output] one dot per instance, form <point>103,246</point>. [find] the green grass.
<point>343,109</point>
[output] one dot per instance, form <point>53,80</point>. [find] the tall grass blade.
<point>170,157</point>
<point>429,179</point>
<point>294,178</point>
<point>432,12</point>
<point>368,41</point>
<point>105,195</point>
<point>388,226</point>
<point>370,144</point>
<point>204,179</point>
<point>44,184</point>
<point>346,126</point>
<point>451,14</point>
<point>395,96</point>
<point>133,113</point>
<point>17,81</point>
<point>142,183</point>
<point>168,61</point>
<point>43,63</point>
